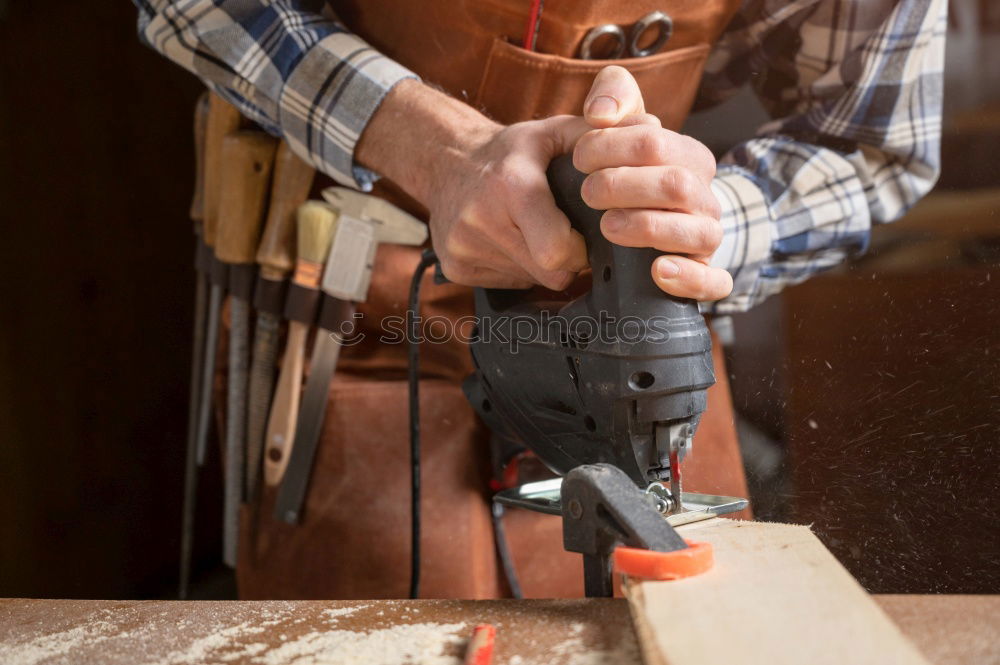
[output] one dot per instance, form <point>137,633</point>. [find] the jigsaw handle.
<point>622,283</point>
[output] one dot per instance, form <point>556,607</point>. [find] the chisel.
<point>290,186</point>
<point>197,349</point>
<point>248,157</point>
<point>362,223</point>
<point>223,118</point>
<point>315,230</point>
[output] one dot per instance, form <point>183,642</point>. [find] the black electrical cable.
<point>427,259</point>
<point>506,560</point>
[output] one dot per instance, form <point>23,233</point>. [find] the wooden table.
<point>952,630</point>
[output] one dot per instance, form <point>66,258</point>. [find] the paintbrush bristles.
<point>316,223</point>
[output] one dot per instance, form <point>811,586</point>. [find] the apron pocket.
<point>520,85</point>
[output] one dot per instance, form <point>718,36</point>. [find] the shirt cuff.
<point>746,241</point>
<point>328,100</point>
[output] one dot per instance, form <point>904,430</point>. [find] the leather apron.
<point>354,540</point>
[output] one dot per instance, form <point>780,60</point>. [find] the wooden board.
<point>775,596</point>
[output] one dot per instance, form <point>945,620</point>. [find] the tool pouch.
<point>471,48</point>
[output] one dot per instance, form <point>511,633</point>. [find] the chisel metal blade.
<point>191,456</point>
<point>295,484</point>
<point>262,370</point>
<point>208,373</point>
<point>236,401</point>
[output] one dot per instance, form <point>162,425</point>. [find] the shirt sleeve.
<point>855,90</point>
<point>289,66</point>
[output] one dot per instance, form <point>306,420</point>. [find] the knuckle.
<point>653,147</point>
<point>552,257</point>
<point>680,185</point>
<point>510,176</point>
<point>703,156</point>
<point>714,209</point>
<point>557,281</point>
<point>710,234</point>
<point>453,270</point>
<point>456,247</point>
<point>645,224</point>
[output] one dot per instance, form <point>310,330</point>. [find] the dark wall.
<point>95,299</point>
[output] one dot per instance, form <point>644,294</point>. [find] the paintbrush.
<point>316,223</point>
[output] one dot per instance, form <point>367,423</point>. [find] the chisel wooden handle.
<point>248,157</point>
<point>292,180</point>
<point>223,118</point>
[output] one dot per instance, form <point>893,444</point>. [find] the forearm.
<point>419,135</point>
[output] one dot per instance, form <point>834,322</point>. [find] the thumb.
<point>614,95</point>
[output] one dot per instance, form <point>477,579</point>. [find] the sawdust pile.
<point>56,645</point>
<point>414,643</point>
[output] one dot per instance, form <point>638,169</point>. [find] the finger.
<point>642,145</point>
<point>686,278</point>
<point>571,253</point>
<point>640,119</point>
<point>467,275</point>
<point>552,245</point>
<point>563,131</point>
<point>613,95</point>
<point>465,247</point>
<point>664,187</point>
<point>547,235</point>
<point>674,232</point>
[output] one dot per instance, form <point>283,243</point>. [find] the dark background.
<point>868,397</point>
<point>96,293</point>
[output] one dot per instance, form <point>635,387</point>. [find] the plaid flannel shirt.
<point>854,87</point>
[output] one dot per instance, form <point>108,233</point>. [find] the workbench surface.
<point>949,629</point>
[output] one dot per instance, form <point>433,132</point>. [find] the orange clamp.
<point>694,560</point>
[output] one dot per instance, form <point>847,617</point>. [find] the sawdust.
<point>334,613</point>
<point>573,651</point>
<point>45,647</point>
<point>199,650</point>
<point>422,643</point>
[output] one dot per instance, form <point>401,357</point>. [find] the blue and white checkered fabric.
<point>854,87</point>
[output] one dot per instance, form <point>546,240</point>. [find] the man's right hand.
<point>493,219</point>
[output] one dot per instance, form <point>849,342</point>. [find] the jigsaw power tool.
<point>607,387</point>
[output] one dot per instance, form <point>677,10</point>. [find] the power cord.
<point>427,259</point>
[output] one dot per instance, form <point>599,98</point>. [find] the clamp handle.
<point>696,559</point>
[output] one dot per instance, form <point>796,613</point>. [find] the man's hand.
<point>493,219</point>
<point>654,184</point>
